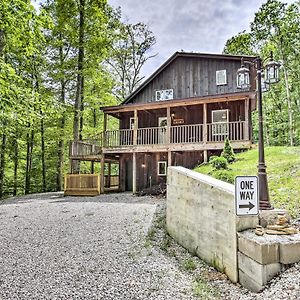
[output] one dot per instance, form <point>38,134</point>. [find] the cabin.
<point>179,116</point>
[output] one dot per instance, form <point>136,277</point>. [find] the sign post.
<point>246,195</point>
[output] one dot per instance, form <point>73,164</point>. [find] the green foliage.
<point>203,290</point>
<point>189,265</point>
<point>283,168</point>
<point>218,162</point>
<point>276,28</point>
<point>228,152</point>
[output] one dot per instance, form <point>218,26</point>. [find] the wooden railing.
<point>218,132</point>
<point>151,135</point>
<point>116,138</point>
<point>85,148</point>
<point>82,184</point>
<point>111,181</point>
<point>180,134</point>
<point>187,134</point>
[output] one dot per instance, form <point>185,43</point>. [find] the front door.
<point>162,130</point>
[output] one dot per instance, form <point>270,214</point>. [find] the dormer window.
<point>221,78</point>
<point>164,95</point>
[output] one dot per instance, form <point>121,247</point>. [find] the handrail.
<point>179,134</point>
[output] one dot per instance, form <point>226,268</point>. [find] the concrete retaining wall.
<point>201,217</point>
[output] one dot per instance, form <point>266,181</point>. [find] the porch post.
<point>169,158</point>
<point>108,175</point>
<point>104,130</point>
<point>246,129</point>
<point>205,158</point>
<point>204,123</point>
<point>102,174</point>
<point>168,133</point>
<point>135,127</point>
<point>133,172</point>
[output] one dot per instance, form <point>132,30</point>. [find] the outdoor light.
<point>272,72</point>
<point>243,77</point>
<point>262,84</point>
<point>265,87</point>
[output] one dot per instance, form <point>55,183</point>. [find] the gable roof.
<point>183,54</point>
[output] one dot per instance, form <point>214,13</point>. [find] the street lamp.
<point>243,82</point>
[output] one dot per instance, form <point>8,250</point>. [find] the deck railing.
<point>218,132</point>
<point>82,184</point>
<point>184,134</point>
<point>179,134</point>
<point>86,147</point>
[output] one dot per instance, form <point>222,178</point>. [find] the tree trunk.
<point>16,163</point>
<point>79,88</point>
<point>60,151</point>
<point>44,188</point>
<point>2,42</point>
<point>78,98</point>
<point>288,97</point>
<point>2,164</point>
<point>30,138</point>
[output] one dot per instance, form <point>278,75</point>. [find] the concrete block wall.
<point>201,217</point>
<point>260,258</point>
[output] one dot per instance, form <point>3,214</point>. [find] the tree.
<point>129,54</point>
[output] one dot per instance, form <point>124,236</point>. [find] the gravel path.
<point>108,247</point>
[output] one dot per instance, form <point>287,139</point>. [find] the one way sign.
<point>246,195</point>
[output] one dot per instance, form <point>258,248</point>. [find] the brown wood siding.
<point>149,173</point>
<point>191,77</point>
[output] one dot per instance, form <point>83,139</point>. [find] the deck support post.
<point>133,172</point>
<point>204,123</point>
<point>135,127</point>
<point>205,157</point>
<point>246,128</point>
<point>102,174</point>
<point>169,158</point>
<point>92,167</point>
<point>108,175</point>
<point>104,130</point>
<point>168,133</point>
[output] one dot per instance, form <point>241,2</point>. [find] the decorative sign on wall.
<point>164,95</point>
<point>221,78</point>
<point>178,121</point>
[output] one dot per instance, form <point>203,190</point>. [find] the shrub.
<point>228,152</point>
<point>218,162</point>
<point>224,176</point>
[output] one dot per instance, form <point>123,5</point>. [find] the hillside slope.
<point>283,168</point>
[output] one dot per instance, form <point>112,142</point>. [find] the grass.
<point>283,168</point>
<point>189,265</point>
<point>203,291</point>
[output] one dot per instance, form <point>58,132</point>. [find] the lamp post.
<point>243,82</point>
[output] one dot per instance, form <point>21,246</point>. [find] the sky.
<point>190,25</point>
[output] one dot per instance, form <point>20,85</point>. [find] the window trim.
<point>225,77</point>
<point>163,91</point>
<point>165,168</point>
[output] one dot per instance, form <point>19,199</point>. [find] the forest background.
<point>60,64</point>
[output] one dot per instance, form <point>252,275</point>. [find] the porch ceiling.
<point>116,110</point>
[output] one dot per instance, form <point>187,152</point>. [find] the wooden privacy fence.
<point>82,185</point>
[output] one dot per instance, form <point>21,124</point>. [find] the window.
<point>164,95</point>
<point>220,119</point>
<point>162,168</point>
<point>221,78</point>
<point>131,123</point>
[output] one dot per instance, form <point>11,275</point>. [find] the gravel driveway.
<point>108,247</point>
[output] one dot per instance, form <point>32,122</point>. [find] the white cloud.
<point>192,25</point>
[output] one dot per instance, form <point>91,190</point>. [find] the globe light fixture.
<point>243,82</point>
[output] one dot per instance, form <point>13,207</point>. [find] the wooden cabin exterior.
<point>179,116</point>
